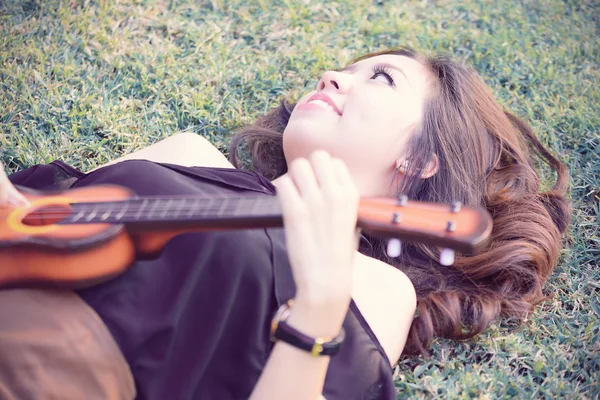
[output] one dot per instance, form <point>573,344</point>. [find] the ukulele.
<point>82,237</point>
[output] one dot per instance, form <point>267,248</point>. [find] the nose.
<point>337,81</point>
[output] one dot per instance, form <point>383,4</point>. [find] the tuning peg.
<point>455,206</point>
<point>394,246</point>
<point>451,226</point>
<point>447,257</point>
<point>402,200</point>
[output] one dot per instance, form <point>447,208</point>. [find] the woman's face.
<point>364,115</point>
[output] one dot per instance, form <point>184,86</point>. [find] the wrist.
<point>323,299</point>
<point>318,317</point>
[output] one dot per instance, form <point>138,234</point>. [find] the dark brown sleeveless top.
<point>194,323</point>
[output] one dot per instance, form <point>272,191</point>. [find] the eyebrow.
<point>352,68</point>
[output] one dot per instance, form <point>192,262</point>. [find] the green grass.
<point>88,81</point>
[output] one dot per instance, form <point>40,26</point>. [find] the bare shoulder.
<point>387,300</point>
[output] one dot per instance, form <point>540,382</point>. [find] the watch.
<point>320,346</point>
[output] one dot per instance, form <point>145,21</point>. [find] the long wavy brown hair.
<point>486,157</point>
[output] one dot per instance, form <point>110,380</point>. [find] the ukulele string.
<point>136,208</point>
<point>135,215</point>
<point>235,206</point>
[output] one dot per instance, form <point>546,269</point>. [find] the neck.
<point>385,186</point>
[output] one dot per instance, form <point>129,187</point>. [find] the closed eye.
<point>383,71</point>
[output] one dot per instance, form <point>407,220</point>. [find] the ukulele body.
<point>35,249</point>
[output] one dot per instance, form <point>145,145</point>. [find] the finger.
<point>289,198</point>
<point>341,172</point>
<point>345,180</point>
<point>15,198</point>
<point>294,212</point>
<point>8,193</point>
<point>304,178</point>
<point>324,170</point>
<point>357,237</point>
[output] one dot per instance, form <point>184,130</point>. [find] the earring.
<point>403,164</point>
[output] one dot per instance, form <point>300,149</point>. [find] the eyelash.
<point>385,71</point>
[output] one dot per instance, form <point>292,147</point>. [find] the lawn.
<point>88,81</point>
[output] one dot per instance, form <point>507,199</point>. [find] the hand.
<point>8,193</point>
<point>320,205</point>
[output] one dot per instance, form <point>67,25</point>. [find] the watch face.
<point>282,313</point>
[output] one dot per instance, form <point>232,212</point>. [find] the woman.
<point>393,122</point>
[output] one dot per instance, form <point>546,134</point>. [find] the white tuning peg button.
<point>447,257</point>
<point>394,246</point>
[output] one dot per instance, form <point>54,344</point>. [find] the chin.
<point>301,139</point>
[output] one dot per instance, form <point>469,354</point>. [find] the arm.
<point>320,206</point>
<point>291,373</point>
<point>186,149</point>
<point>387,299</point>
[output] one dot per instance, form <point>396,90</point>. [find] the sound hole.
<point>47,215</point>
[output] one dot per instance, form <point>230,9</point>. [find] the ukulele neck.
<point>178,210</point>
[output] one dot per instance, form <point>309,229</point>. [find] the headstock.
<point>449,226</point>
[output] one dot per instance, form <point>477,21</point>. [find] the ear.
<point>430,169</point>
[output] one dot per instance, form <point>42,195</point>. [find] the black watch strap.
<point>281,330</point>
<point>315,346</point>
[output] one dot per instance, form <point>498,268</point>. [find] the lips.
<point>326,99</point>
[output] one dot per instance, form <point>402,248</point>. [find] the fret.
<point>222,208</point>
<point>192,208</point>
<point>236,209</point>
<point>253,208</point>
<point>78,216</point>
<point>122,212</point>
<point>276,206</point>
<point>155,203</point>
<point>270,207</point>
<point>206,209</point>
<point>166,208</point>
<point>91,215</point>
<point>179,206</point>
<point>106,214</point>
<point>240,207</point>
<point>141,209</point>
<point>256,206</point>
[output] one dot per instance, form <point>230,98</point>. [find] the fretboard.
<point>174,209</point>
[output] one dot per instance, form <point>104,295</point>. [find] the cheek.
<point>380,129</point>
<point>383,116</point>
<point>398,119</point>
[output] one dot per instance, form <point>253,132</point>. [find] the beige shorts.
<point>54,346</point>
